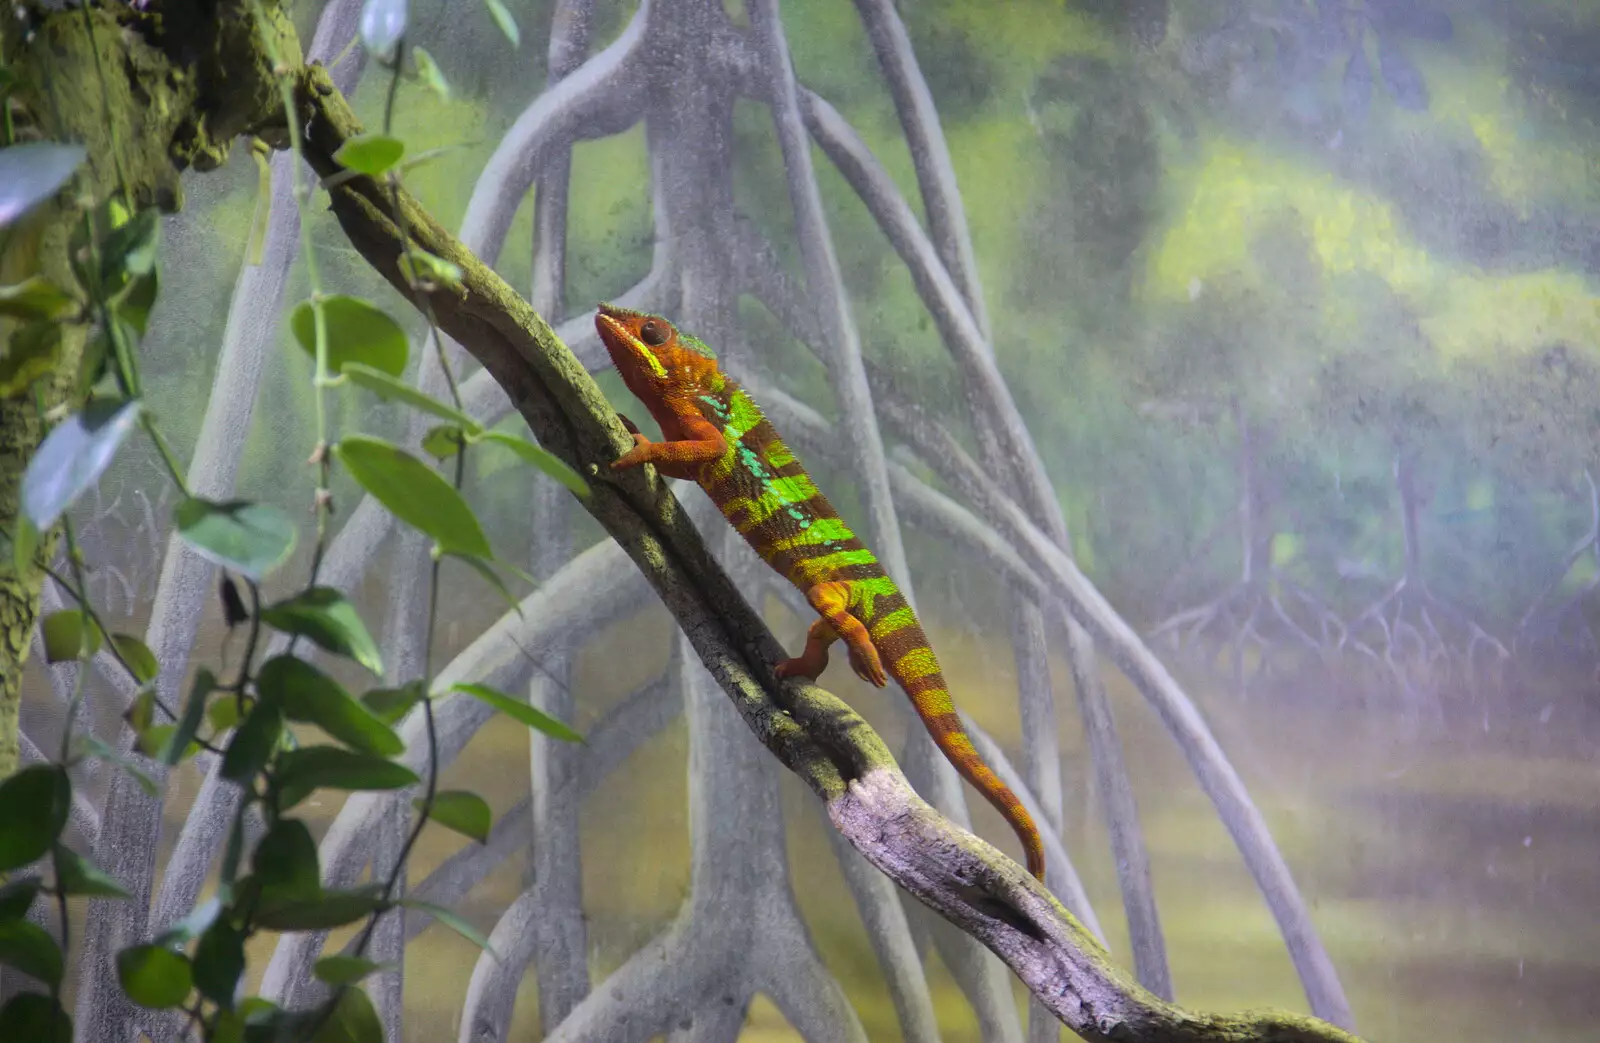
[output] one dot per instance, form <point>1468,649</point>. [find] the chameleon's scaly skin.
<point>717,437</point>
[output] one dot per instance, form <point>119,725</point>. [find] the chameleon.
<point>716,436</point>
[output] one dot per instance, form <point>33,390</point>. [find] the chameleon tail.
<point>917,671</point>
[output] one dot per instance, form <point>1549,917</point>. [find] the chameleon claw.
<point>869,668</point>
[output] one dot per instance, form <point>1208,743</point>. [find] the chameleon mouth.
<point>620,341</point>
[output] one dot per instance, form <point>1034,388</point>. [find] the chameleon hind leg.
<point>832,601</point>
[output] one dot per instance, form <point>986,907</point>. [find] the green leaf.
<point>421,267</point>
<point>396,390</point>
<point>354,1020</point>
<point>326,617</point>
<point>345,970</point>
<point>98,747</point>
<point>491,577</point>
<point>414,493</point>
<point>391,704</point>
<point>205,682</point>
<point>219,963</point>
<point>443,441</point>
<point>72,457</point>
<point>137,655</point>
<point>199,920</point>
<point>16,898</point>
<point>36,298</point>
<point>76,875</point>
<point>222,715</point>
<point>285,863</point>
<point>383,22</point>
<point>251,539</point>
<point>155,977</point>
<point>430,72</point>
<point>327,910</point>
<point>370,154</point>
<point>357,332</point>
<point>543,459</point>
<point>32,173</point>
<point>253,743</point>
<point>136,303</point>
<point>531,716</point>
<point>130,250</point>
<point>328,767</point>
<point>32,355</point>
<point>30,949</point>
<point>36,1018</point>
<point>452,921</point>
<point>309,695</point>
<point>69,634</point>
<point>33,811</point>
<point>503,19</point>
<point>155,740</point>
<point>466,813</point>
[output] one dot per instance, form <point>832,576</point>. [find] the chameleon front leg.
<point>832,601</point>
<point>679,458</point>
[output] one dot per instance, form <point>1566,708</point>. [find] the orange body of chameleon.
<point>718,438</point>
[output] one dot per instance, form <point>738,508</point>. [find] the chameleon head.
<point>650,353</point>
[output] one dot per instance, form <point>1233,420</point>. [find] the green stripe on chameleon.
<point>780,493</point>
<point>865,592</point>
<point>743,415</point>
<point>778,454</point>
<point>917,663</point>
<point>815,570</point>
<point>811,534</point>
<point>893,623</point>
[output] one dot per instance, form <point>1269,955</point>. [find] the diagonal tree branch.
<point>812,732</point>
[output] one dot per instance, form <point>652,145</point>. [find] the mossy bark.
<point>148,93</point>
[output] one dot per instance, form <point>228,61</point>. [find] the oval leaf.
<point>503,19</point>
<point>354,1020</point>
<point>68,635</point>
<point>345,970</point>
<point>30,949</point>
<point>285,863</point>
<point>33,811</point>
<point>449,918</point>
<point>251,539</point>
<point>328,767</point>
<point>370,154</point>
<point>326,617</point>
<point>76,875</point>
<point>32,173</point>
<point>543,459</point>
<point>383,22</point>
<point>36,1018</point>
<point>155,977</point>
<point>72,457</point>
<point>327,910</point>
<point>307,694</point>
<point>137,656</point>
<point>466,813</point>
<point>391,704</point>
<point>219,963</point>
<point>531,716</point>
<point>395,390</point>
<point>16,898</point>
<point>414,493</point>
<point>357,332</point>
<point>443,441</point>
<point>430,72</point>
<point>205,682</point>
<point>253,743</point>
<point>35,298</point>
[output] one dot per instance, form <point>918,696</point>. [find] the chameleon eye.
<point>655,332</point>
